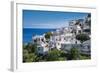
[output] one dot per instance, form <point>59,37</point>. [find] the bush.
<point>29,57</point>
<point>84,57</point>
<point>29,53</point>
<point>82,37</point>
<point>53,55</point>
<point>73,54</point>
<point>47,35</point>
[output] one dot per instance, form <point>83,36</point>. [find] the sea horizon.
<point>29,32</point>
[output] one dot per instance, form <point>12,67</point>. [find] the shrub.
<point>73,54</point>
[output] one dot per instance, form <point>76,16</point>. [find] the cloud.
<point>49,25</point>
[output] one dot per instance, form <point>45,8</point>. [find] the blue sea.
<point>29,32</point>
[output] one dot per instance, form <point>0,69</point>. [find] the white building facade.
<point>42,45</point>
<point>65,38</point>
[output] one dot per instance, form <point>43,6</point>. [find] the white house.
<point>76,26</point>
<point>82,27</point>
<point>42,45</point>
<point>62,37</point>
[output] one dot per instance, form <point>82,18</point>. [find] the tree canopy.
<point>47,35</point>
<point>82,37</point>
<point>73,54</point>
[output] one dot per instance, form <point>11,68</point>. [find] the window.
<point>40,48</point>
<point>79,31</point>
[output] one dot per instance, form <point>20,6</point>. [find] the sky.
<point>49,19</point>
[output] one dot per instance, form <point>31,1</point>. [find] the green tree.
<point>82,37</point>
<point>30,57</point>
<point>53,55</point>
<point>73,54</point>
<point>47,35</point>
<point>83,57</point>
<point>31,48</point>
<point>29,53</point>
<point>25,53</point>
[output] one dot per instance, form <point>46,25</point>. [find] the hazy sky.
<point>49,19</point>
